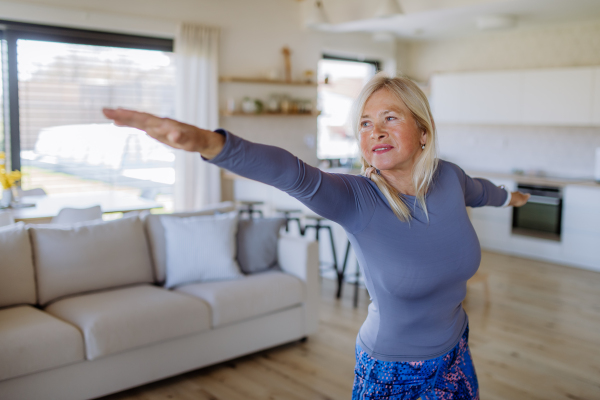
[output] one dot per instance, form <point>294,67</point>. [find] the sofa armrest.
<point>300,257</point>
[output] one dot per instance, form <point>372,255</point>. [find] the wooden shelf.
<point>268,114</point>
<point>265,81</point>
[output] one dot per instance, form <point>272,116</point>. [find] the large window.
<point>61,79</point>
<point>341,82</point>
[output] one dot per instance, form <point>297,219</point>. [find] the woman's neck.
<point>401,180</point>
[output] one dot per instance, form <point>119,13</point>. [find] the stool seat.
<point>251,203</point>
<point>288,210</point>
<point>315,217</point>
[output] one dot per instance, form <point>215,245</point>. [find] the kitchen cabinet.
<point>487,97</point>
<point>557,96</point>
<point>580,237</point>
<point>581,225</point>
<point>549,97</point>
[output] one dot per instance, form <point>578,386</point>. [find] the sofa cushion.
<point>89,256</point>
<point>117,320</point>
<point>32,340</point>
<point>17,281</point>
<point>257,244</point>
<point>252,296</point>
<point>156,234</point>
<point>201,248</point>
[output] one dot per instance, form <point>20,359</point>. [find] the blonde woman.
<point>407,221</point>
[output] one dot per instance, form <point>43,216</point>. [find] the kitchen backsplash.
<point>567,152</point>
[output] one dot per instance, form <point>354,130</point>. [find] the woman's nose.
<point>378,130</point>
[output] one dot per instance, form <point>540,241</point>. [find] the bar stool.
<point>287,213</point>
<point>342,274</point>
<point>249,208</point>
<point>318,226</point>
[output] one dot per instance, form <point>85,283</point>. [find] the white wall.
<point>559,151</point>
<point>557,45</point>
<point>253,34</point>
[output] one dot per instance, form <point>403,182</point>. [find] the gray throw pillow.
<point>257,244</point>
<point>201,249</point>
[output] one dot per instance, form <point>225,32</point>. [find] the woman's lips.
<point>380,149</point>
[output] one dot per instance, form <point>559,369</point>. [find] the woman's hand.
<point>170,132</point>
<point>518,199</point>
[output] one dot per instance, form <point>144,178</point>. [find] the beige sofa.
<point>83,313</point>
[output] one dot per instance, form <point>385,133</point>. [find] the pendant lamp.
<point>316,15</point>
<point>388,8</point>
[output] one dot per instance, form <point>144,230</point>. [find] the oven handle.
<point>543,200</point>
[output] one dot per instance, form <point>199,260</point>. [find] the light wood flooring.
<point>534,335</point>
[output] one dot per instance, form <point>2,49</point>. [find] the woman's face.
<point>388,133</point>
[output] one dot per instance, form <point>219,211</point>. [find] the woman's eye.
<point>389,118</point>
<point>364,124</point>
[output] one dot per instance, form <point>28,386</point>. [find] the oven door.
<point>541,216</point>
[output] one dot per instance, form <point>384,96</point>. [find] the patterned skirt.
<point>449,376</point>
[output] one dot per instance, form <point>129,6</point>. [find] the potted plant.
<point>8,181</point>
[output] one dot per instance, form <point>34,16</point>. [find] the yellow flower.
<point>8,180</point>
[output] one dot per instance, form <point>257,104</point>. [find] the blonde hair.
<point>424,168</point>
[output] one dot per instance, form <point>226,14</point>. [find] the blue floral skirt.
<point>449,376</point>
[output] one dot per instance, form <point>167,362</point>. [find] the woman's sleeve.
<point>480,192</point>
<point>338,197</point>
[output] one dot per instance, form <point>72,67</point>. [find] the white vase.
<point>7,197</point>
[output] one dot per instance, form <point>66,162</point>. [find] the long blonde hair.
<point>424,169</point>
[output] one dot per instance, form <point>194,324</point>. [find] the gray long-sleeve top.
<point>415,272</point>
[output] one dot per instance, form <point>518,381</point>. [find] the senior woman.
<point>407,221</point>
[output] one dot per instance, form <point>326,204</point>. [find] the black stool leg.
<point>356,285</point>
<point>343,272</point>
<point>340,277</point>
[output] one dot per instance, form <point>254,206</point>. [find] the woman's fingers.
<point>519,199</point>
<point>164,130</point>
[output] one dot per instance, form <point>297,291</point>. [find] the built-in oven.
<point>541,216</point>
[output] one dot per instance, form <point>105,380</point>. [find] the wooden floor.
<point>535,335</point>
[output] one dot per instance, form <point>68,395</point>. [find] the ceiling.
<point>437,19</point>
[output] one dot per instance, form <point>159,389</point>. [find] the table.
<point>48,206</point>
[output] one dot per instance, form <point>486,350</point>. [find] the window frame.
<point>12,31</point>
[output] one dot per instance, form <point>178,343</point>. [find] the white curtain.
<point>197,183</point>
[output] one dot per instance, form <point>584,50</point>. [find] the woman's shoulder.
<point>445,167</point>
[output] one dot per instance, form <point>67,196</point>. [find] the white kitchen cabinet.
<point>557,96</point>
<point>446,98</point>
<point>581,226</point>
<point>596,98</point>
<point>493,224</point>
<point>548,97</point>
<point>483,97</point>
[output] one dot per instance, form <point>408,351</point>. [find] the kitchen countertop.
<point>535,180</point>
<point>526,179</point>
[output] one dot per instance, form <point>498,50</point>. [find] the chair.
<point>31,192</point>
<point>149,193</point>
<point>248,208</point>
<point>318,226</point>
<point>342,276</point>
<point>288,214</point>
<point>6,218</point>
<point>72,215</point>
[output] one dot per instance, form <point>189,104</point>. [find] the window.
<point>62,142</point>
<point>341,82</point>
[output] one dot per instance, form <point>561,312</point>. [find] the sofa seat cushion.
<point>248,297</point>
<point>117,320</point>
<point>32,340</point>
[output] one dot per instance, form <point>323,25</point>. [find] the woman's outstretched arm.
<point>344,199</point>
<point>170,132</point>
